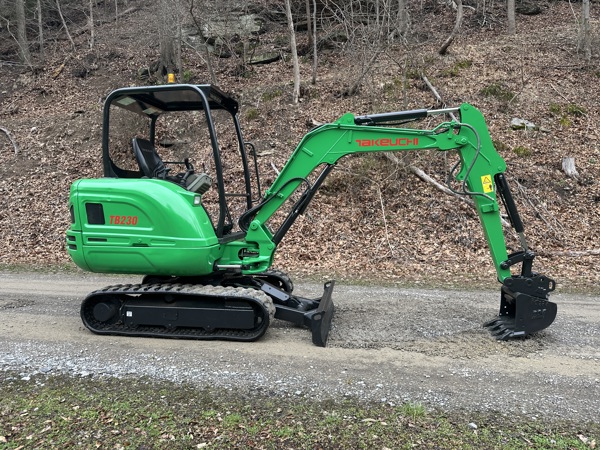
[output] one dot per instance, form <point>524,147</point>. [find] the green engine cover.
<point>140,226</point>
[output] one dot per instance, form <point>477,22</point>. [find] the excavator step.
<point>184,311</point>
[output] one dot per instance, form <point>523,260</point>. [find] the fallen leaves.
<point>371,220</point>
<point>591,443</point>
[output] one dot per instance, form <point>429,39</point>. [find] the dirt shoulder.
<point>390,345</point>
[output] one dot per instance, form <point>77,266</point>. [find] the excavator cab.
<point>186,134</point>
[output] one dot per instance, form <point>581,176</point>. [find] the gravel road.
<point>390,345</point>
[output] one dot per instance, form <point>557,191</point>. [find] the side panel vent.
<point>95,214</point>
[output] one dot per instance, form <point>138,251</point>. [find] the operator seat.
<point>152,166</point>
<point>148,159</point>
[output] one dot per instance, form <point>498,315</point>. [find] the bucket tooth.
<point>505,335</point>
<point>503,329</point>
<point>493,325</point>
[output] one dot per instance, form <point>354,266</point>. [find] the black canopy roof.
<point>154,100</point>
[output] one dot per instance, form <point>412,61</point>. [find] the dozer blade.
<point>524,307</point>
<point>319,320</point>
<point>313,314</point>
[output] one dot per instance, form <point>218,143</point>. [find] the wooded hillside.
<point>373,218</point>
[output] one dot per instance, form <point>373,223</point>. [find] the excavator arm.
<point>480,173</point>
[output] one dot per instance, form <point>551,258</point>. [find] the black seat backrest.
<point>148,159</point>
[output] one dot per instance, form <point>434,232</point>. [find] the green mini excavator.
<point>181,204</point>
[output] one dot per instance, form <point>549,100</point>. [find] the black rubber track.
<point>167,294</point>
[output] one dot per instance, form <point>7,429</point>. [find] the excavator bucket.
<point>524,307</point>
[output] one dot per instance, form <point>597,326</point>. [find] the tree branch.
<point>387,235</point>
<point>354,88</point>
<point>429,180</point>
<point>10,138</point>
<point>457,23</point>
<point>436,95</point>
<point>209,66</point>
<point>64,24</point>
<point>558,226</point>
<point>572,253</point>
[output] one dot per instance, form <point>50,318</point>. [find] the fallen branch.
<point>129,10</point>
<point>10,138</point>
<point>274,167</point>
<point>554,229</point>
<point>426,178</point>
<point>60,68</point>
<point>429,180</point>
<point>436,95</point>
<point>572,253</point>
<point>387,235</point>
<point>423,176</point>
<point>432,89</point>
<point>557,91</point>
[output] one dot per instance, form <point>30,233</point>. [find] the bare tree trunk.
<point>586,30</point>
<point>510,13</point>
<point>167,53</point>
<point>40,29</point>
<point>290,20</point>
<point>314,42</point>
<point>24,54</point>
<point>402,17</point>
<point>457,23</point>
<point>179,38</point>
<point>208,56</point>
<point>165,39</point>
<point>309,24</point>
<point>91,24</point>
<point>64,23</point>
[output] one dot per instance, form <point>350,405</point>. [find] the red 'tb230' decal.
<point>124,220</point>
<point>388,142</point>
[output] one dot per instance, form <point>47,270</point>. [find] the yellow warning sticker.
<point>486,181</point>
